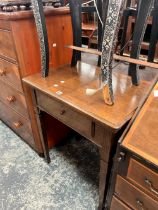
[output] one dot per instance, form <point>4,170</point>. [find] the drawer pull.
<point>140,204</point>
<point>149,183</point>
<point>62,112</point>
<point>17,124</point>
<point>11,99</point>
<point>2,72</point>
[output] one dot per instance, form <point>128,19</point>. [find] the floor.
<point>27,182</point>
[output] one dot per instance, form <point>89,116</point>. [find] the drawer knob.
<point>62,112</point>
<point>150,185</point>
<point>11,99</point>
<point>140,204</point>
<point>121,156</point>
<point>17,124</point>
<point>2,72</point>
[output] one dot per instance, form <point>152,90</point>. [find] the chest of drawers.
<point>134,184</point>
<point>20,57</point>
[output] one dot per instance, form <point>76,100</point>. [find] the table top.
<point>72,83</point>
<point>142,137</point>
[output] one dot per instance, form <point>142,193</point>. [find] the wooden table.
<point>63,95</point>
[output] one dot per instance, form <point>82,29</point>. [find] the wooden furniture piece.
<point>135,179</point>
<point>20,57</point>
<point>63,95</point>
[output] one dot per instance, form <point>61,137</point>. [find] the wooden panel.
<point>131,195</point>
<point>9,73</point>
<point>5,25</point>
<point>27,45</point>
<point>7,45</point>
<point>142,175</point>
<point>65,114</point>
<point>116,204</point>
<point>13,98</point>
<point>142,137</point>
<point>18,123</point>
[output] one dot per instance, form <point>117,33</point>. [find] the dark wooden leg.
<point>75,8</point>
<point>144,10</point>
<point>102,182</point>
<point>105,162</point>
<point>41,129</point>
<point>124,32</point>
<point>43,136</point>
<point>154,34</point>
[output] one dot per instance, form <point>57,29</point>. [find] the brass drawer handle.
<point>62,112</point>
<point>17,124</point>
<point>2,72</point>
<point>140,204</point>
<point>11,99</point>
<point>149,183</point>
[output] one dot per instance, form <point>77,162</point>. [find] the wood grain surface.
<point>142,137</point>
<point>77,79</point>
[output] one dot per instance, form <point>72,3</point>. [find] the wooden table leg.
<point>105,161</point>
<point>102,182</point>
<point>42,133</point>
<point>43,137</point>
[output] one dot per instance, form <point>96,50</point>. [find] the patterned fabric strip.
<point>111,27</point>
<point>37,7</point>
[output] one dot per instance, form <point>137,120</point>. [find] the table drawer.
<point>65,114</point>
<point>132,196</point>
<point>116,204</point>
<point>7,45</point>
<point>9,73</point>
<point>13,98</point>
<point>143,176</point>
<point>19,124</point>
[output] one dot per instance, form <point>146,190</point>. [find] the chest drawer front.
<point>132,196</point>
<point>7,45</point>
<point>13,98</point>
<point>19,124</point>
<point>143,176</point>
<point>116,204</point>
<point>70,117</point>
<point>5,25</point>
<point>9,73</point>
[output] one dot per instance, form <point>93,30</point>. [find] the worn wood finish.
<point>84,76</point>
<point>9,73</point>
<point>5,25</point>
<point>141,175</point>
<point>116,204</point>
<point>7,45</point>
<point>13,98</point>
<point>142,137</point>
<point>133,196</point>
<point>67,115</point>
<point>17,122</point>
